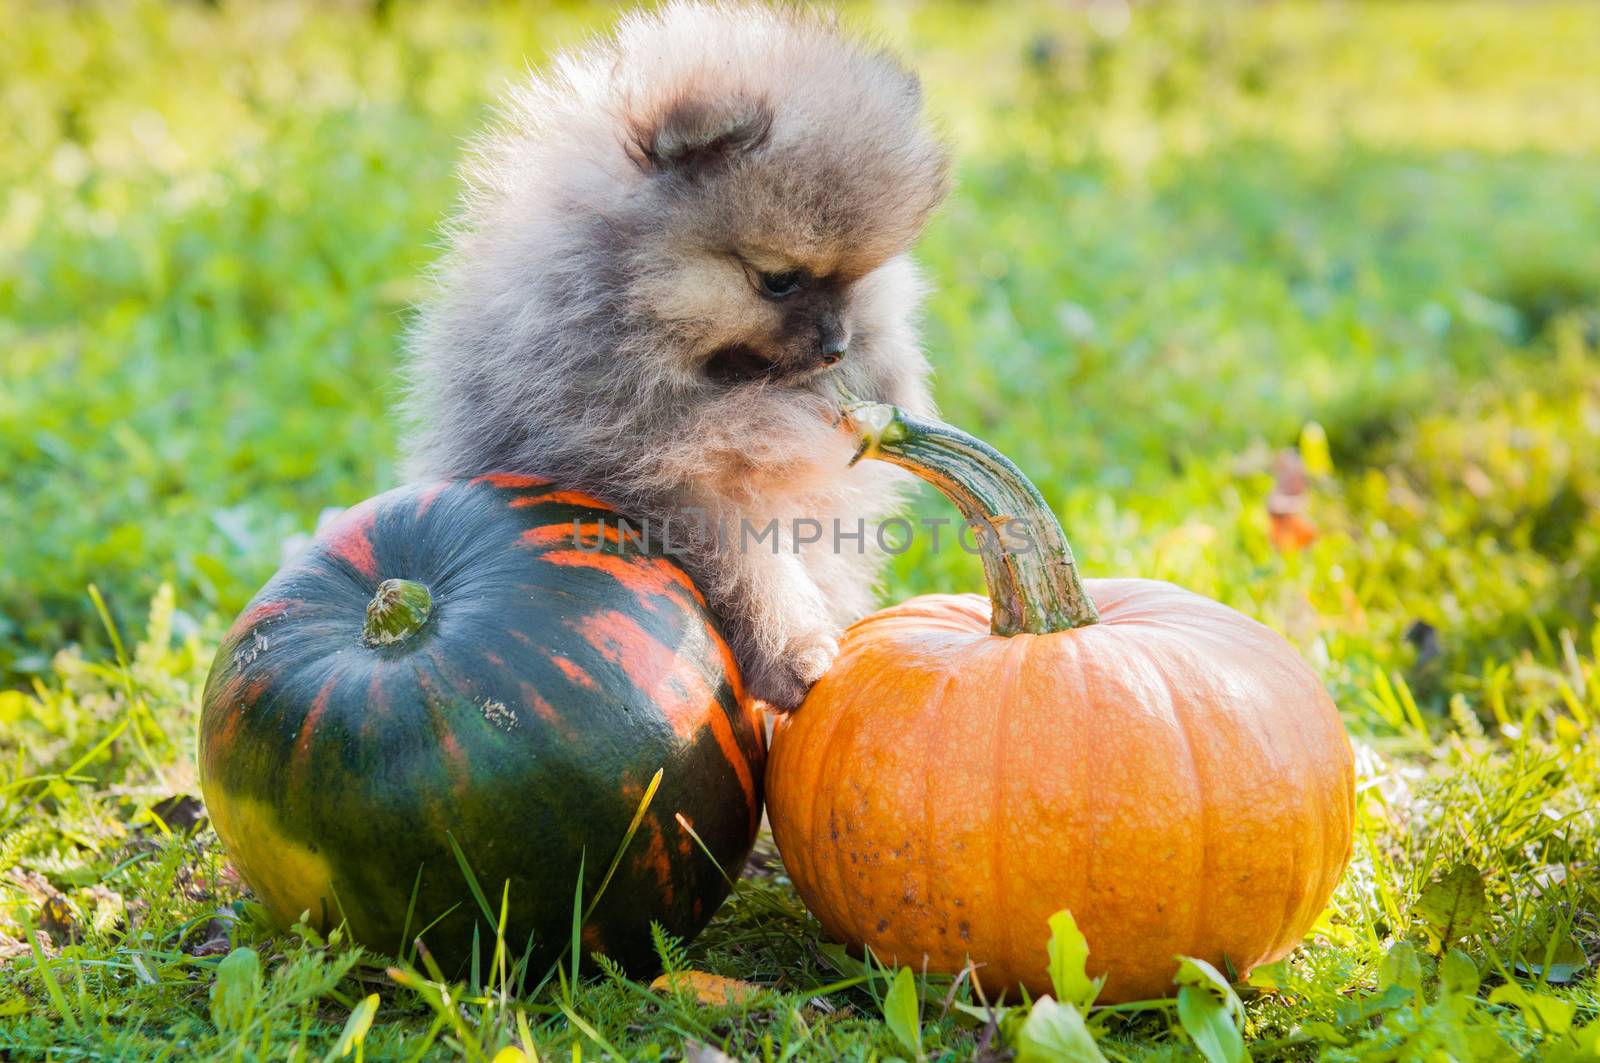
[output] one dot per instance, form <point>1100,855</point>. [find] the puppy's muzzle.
<point>832,342</point>
<point>832,353</point>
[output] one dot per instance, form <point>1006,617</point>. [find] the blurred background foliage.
<point>1181,233</point>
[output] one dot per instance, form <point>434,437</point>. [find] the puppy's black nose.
<point>831,345</point>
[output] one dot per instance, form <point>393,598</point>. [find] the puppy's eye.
<point>778,285</point>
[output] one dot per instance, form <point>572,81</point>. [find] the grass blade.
<point>472,880</point>
<point>52,988</point>
<point>633,828</point>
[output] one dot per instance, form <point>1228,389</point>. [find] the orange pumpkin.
<point>1166,768</point>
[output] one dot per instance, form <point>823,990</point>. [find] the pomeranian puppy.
<point>674,248</point>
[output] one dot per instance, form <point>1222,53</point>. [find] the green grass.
<point>1173,252</point>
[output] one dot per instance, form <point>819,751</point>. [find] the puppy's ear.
<point>695,136</point>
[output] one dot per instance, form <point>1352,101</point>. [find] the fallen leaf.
<point>695,1052</point>
<point>707,988</point>
<point>56,919</point>
<point>1424,638</point>
<point>181,813</point>
<point>53,914</point>
<point>1558,960</point>
<point>1290,528</point>
<point>11,948</point>
<point>216,941</point>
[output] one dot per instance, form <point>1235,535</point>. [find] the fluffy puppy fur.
<point>673,247</point>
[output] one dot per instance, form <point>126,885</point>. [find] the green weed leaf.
<point>1458,975</point>
<point>669,949</point>
<point>1401,967</point>
<point>1269,976</point>
<point>902,1011</point>
<point>1210,1011</point>
<point>1056,1033</point>
<point>236,990</point>
<point>356,1027</point>
<point>1069,958</point>
<point>1317,1030</point>
<point>1539,1010</point>
<point>1454,906</point>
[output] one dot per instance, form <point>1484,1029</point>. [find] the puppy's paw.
<point>783,680</point>
<point>810,654</point>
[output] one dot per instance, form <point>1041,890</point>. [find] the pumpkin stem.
<point>1033,580</point>
<point>396,612</point>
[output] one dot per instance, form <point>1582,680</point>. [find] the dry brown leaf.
<point>707,988</point>
<point>695,1052</point>
<point>1290,529</point>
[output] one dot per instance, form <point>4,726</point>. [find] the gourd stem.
<point>396,612</point>
<point>1033,580</point>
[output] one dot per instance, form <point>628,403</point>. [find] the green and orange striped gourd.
<point>488,673</point>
